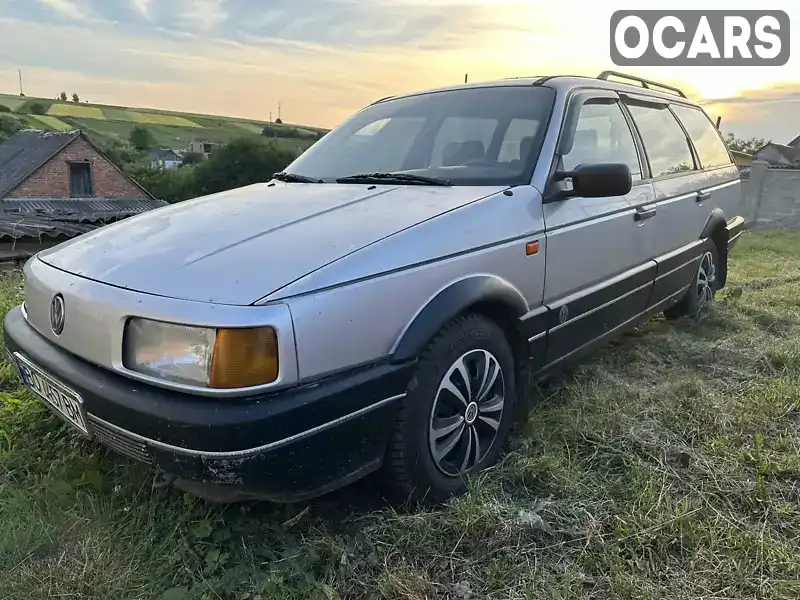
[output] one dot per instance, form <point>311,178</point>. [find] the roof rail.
<point>645,83</point>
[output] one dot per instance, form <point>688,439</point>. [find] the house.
<point>164,157</point>
<point>203,146</point>
<point>778,154</point>
<point>742,159</point>
<point>57,185</point>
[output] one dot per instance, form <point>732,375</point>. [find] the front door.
<point>599,268</point>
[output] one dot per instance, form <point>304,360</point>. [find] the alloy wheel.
<point>467,412</point>
<point>706,280</point>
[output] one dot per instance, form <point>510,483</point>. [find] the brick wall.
<point>52,178</point>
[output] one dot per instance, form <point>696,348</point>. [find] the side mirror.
<point>600,180</point>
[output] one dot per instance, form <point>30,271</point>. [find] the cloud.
<point>69,9</point>
<point>143,8</point>
<point>203,15</point>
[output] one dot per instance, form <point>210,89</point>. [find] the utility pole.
<point>279,110</point>
<point>466,76</point>
<point>20,82</point>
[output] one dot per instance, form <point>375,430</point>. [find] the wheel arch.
<point>716,230</point>
<point>491,296</point>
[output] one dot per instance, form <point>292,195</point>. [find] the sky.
<point>322,60</point>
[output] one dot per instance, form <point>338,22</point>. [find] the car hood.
<point>238,246</point>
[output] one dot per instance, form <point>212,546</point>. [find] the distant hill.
<point>170,129</point>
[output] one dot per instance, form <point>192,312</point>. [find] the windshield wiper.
<point>295,178</point>
<point>397,177</point>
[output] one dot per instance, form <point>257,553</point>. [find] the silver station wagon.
<point>385,302</point>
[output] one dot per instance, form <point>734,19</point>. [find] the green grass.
<point>12,102</point>
<point>50,123</point>
<point>159,119</point>
<point>76,110</point>
<point>170,129</point>
<point>667,465</point>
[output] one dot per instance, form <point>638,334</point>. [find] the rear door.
<point>677,178</point>
<point>599,273</point>
<point>723,185</point>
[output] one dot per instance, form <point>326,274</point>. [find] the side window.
<point>705,137</point>
<point>603,136</point>
<point>665,142</point>
<point>460,139</point>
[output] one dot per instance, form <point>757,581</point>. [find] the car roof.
<point>565,83</point>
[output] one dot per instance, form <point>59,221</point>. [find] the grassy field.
<point>665,466</point>
<point>170,129</point>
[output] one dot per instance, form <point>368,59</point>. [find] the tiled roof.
<point>80,210</point>
<point>16,227</point>
<point>26,151</point>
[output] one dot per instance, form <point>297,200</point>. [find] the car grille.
<point>119,441</point>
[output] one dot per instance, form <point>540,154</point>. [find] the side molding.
<point>452,301</point>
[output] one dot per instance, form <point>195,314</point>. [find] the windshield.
<point>473,136</point>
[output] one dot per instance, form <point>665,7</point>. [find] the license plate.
<point>65,402</point>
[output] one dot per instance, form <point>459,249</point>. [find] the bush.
<point>9,125</point>
<point>4,109</point>
<point>37,108</point>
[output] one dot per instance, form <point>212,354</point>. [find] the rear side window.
<point>704,135</point>
<point>665,142</point>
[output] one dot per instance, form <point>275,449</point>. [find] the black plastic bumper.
<point>285,445</point>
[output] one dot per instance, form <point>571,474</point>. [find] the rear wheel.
<point>457,413</point>
<point>701,294</point>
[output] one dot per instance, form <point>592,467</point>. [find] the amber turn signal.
<point>532,248</point>
<point>244,358</point>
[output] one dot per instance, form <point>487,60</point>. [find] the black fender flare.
<point>452,301</point>
<point>718,222</point>
<point>715,219</point>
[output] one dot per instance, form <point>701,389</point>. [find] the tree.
<point>243,161</point>
<point>141,138</point>
<point>63,96</point>
<point>37,108</point>
<point>4,109</point>
<point>748,146</point>
<point>75,98</point>
<point>191,158</point>
<point>278,121</point>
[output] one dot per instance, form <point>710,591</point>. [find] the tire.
<point>439,415</point>
<point>701,294</point>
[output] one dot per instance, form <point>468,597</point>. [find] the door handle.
<point>703,196</point>
<point>641,215</point>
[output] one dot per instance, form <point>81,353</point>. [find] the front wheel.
<point>457,413</point>
<point>701,294</point>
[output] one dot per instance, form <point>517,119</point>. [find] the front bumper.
<point>285,445</point>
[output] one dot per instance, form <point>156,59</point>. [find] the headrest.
<point>525,145</point>
<point>586,138</point>
<point>457,153</point>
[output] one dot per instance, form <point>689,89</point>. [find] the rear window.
<point>705,137</point>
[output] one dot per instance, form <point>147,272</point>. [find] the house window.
<point>207,148</point>
<point>80,180</point>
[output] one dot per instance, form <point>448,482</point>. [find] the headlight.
<point>201,356</point>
